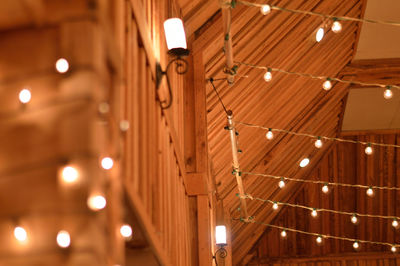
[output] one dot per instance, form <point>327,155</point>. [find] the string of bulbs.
<point>318,139</point>
<point>327,84</point>
<point>320,237</point>
<point>314,211</point>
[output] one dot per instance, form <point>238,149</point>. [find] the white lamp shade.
<point>175,33</point>
<point>220,235</point>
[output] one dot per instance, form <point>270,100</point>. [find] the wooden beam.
<point>369,132</point>
<point>203,221</point>
<point>227,21</point>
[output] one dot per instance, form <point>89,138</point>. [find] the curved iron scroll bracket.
<point>181,67</point>
<point>221,252</point>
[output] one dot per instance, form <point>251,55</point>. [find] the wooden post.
<point>236,166</point>
<point>227,16</point>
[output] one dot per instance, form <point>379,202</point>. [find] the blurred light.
<point>20,234</point>
<point>63,239</point>
<point>304,162</point>
<point>62,65</point>
<point>320,34</point>
<point>356,245</point>
<point>220,235</point>
<point>126,231</point>
<point>96,202</point>
<point>275,206</point>
<point>107,163</point>
<point>25,96</point>
<point>283,234</point>
<point>69,174</point>
<point>175,33</point>
<point>265,9</point>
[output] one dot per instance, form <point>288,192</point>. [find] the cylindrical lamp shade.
<point>220,235</point>
<point>175,33</point>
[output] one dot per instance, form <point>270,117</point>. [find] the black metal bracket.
<point>221,252</point>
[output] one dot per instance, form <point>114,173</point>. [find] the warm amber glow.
<point>20,234</point>
<point>269,135</point>
<point>354,219</point>
<point>319,240</point>
<point>320,34</point>
<point>25,96</point>
<point>327,85</point>
<point>314,213</point>
<point>69,174</point>
<point>395,223</point>
<point>325,189</point>
<point>368,150</point>
<point>175,33</point>
<point>268,76</point>
<point>96,202</point>
<point>107,163</point>
<point>62,65</point>
<point>370,192</point>
<point>356,245</point>
<point>63,239</point>
<point>393,249</point>
<point>283,234</point>
<point>318,143</point>
<point>275,206</point>
<point>304,162</point>
<point>388,94</point>
<point>281,184</point>
<point>336,27</point>
<point>265,9</point>
<point>126,231</point>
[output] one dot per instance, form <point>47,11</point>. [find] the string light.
<point>393,249</point>
<point>126,231</point>
<point>62,65</point>
<point>275,206</point>
<point>314,213</point>
<point>336,26</point>
<point>327,85</point>
<point>63,239</point>
<point>395,223</point>
<point>388,94</point>
<point>283,234</point>
<point>25,96</point>
<point>319,240</point>
<point>320,34</point>
<point>354,219</point>
<point>370,192</point>
<point>107,163</point>
<point>316,136</point>
<point>281,183</point>
<point>307,75</point>
<point>325,188</point>
<point>269,135</point>
<point>268,75</point>
<point>318,143</point>
<point>96,202</point>
<point>69,174</point>
<point>304,162</point>
<point>265,9</point>
<point>356,242</point>
<point>368,149</point>
<point>20,234</point>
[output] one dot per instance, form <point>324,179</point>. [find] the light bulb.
<point>275,206</point>
<point>393,249</point>
<point>126,231</point>
<point>388,94</point>
<point>368,150</point>
<point>220,235</point>
<point>354,219</point>
<point>269,134</point>
<point>268,76</point>
<point>69,174</point>
<point>356,245</point>
<point>107,163</point>
<point>281,183</point>
<point>319,240</point>
<point>336,27</point>
<point>370,192</point>
<point>320,34</point>
<point>314,213</point>
<point>304,162</point>
<point>325,189</point>
<point>265,9</point>
<point>62,65</point>
<point>20,234</point>
<point>327,85</point>
<point>96,202</point>
<point>63,239</point>
<point>25,96</point>
<point>318,143</point>
<point>283,234</point>
<point>395,223</point>
<point>124,125</point>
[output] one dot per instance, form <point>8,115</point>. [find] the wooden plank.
<point>203,220</point>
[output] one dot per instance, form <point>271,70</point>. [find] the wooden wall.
<point>345,163</point>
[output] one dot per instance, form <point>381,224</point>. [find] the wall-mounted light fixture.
<point>177,47</point>
<point>220,240</point>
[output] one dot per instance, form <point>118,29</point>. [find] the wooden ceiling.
<point>282,40</point>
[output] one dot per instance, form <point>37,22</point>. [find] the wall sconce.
<point>177,47</point>
<point>220,240</point>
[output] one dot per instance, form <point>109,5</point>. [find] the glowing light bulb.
<point>356,245</point>
<point>318,143</point>
<point>69,174</point>
<point>314,213</point>
<point>320,34</point>
<point>25,96</point>
<point>269,134</point>
<point>304,162</point>
<point>124,125</point>
<point>368,150</point>
<point>370,192</point>
<point>126,231</point>
<point>325,188</point>
<point>395,223</point>
<point>96,202</point>
<point>327,85</point>
<point>283,234</point>
<point>268,76</point>
<point>275,206</point>
<point>388,94</point>
<point>336,27</point>
<point>63,239</point>
<point>62,65</point>
<point>265,9</point>
<point>20,234</point>
<point>281,183</point>
<point>354,219</point>
<point>319,240</point>
<point>107,163</point>
<point>393,249</point>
